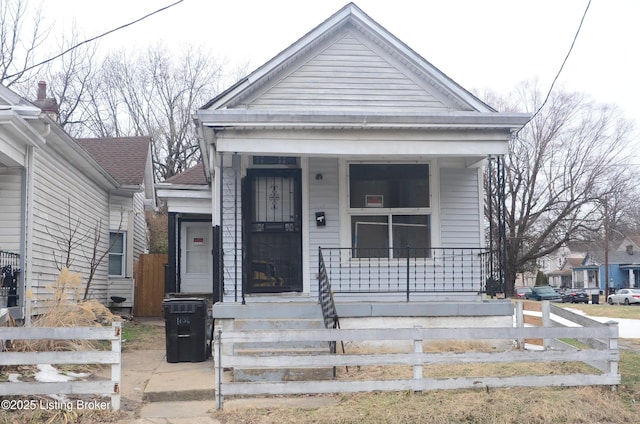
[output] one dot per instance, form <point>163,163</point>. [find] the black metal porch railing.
<point>411,270</point>
<point>9,275</point>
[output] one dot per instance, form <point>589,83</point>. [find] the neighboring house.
<point>621,266</point>
<point>51,190</point>
<point>585,266</point>
<point>188,200</point>
<point>128,161</point>
<point>350,146</point>
<point>572,274</point>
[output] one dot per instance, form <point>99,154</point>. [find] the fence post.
<point>612,344</point>
<point>417,348</point>
<point>546,322</point>
<point>520,323</point>
<point>217,340</point>
<point>116,369</point>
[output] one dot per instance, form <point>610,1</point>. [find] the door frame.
<point>247,233</point>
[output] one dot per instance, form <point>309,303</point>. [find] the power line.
<point>95,38</point>
<point>575,37</point>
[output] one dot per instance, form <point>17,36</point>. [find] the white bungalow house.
<point>52,190</point>
<point>349,153</point>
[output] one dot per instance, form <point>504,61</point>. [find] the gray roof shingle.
<point>125,158</point>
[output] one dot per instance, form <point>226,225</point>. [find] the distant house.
<point>573,273</point>
<point>52,190</point>
<point>621,265</point>
<point>588,266</point>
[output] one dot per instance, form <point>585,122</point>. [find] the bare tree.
<point>22,32</point>
<point>95,256</point>
<point>81,239</point>
<point>154,93</point>
<point>559,167</point>
<point>68,238</point>
<point>69,81</point>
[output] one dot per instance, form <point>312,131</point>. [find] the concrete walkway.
<point>157,392</point>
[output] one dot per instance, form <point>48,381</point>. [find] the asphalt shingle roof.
<point>192,176</point>
<point>125,158</point>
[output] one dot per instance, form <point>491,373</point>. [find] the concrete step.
<point>279,324</point>
<point>282,348</point>
<point>281,374</point>
<point>260,351</point>
<point>182,381</point>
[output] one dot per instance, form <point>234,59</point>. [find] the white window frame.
<point>388,212</point>
<point>123,269</point>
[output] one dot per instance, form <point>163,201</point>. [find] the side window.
<point>117,254</point>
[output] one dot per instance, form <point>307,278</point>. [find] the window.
<point>389,207</point>
<point>117,254</point>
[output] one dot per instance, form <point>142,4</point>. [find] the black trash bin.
<point>185,322</point>
<point>595,299</point>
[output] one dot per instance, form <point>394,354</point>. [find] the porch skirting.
<point>311,309</point>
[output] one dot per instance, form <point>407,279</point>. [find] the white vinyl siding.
<point>10,209</point>
<point>56,183</point>
<point>139,226</point>
<point>323,196</point>
<point>351,73</point>
<point>460,222</point>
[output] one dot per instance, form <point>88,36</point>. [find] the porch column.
<point>585,278</point>
<point>632,281</point>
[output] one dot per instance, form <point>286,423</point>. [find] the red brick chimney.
<point>48,105</point>
<point>42,90</point>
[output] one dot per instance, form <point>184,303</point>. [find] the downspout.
<point>27,237</point>
<point>220,236</point>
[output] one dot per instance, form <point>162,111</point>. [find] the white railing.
<point>107,357</point>
<point>604,356</point>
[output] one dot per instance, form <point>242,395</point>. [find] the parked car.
<point>522,291</point>
<point>626,296</point>
<point>543,293</point>
<point>575,296</point>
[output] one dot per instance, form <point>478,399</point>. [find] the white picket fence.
<point>604,355</point>
<point>96,387</point>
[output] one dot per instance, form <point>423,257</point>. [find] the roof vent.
<point>630,249</point>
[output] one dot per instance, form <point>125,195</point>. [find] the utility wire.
<point>95,38</point>
<point>575,37</point>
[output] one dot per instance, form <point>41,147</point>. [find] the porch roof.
<point>258,119</point>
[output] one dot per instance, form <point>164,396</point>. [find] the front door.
<point>196,264</point>
<point>273,237</point>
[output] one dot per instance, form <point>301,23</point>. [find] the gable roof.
<point>350,71</point>
<point>125,158</point>
<point>192,176</point>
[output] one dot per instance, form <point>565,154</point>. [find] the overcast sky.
<point>479,43</point>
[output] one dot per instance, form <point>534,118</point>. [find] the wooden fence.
<point>98,387</point>
<point>604,356</point>
<point>149,290</point>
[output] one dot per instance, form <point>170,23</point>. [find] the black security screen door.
<point>273,238</point>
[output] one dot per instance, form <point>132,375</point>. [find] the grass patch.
<point>138,336</point>
<point>605,310</point>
